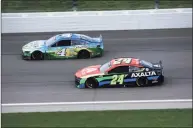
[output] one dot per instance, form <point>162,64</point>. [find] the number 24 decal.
<point>125,60</point>
<point>117,79</point>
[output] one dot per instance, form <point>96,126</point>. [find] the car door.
<point>60,49</point>
<point>118,75</point>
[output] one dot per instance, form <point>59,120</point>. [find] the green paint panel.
<point>82,81</point>
<point>104,78</point>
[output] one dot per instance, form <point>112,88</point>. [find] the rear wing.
<point>160,62</point>
<point>101,38</point>
<point>101,41</point>
<point>158,65</point>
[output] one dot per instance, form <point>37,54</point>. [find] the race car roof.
<point>75,36</point>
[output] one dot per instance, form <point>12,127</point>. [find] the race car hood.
<point>34,44</point>
<point>91,70</point>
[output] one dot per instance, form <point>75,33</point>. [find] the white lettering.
<point>81,46</point>
<point>140,74</point>
<point>88,70</point>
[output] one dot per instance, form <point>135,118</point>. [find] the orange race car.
<point>120,72</point>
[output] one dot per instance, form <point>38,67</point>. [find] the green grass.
<point>66,5</point>
<point>138,118</point>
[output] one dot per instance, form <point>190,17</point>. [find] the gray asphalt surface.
<point>53,80</point>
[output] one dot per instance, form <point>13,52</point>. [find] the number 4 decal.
<point>61,52</point>
<point>117,79</point>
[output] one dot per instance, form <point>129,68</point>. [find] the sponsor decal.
<point>155,81</point>
<point>140,74</point>
<point>81,46</point>
<point>147,69</point>
<point>88,70</point>
<point>66,35</point>
<point>156,65</point>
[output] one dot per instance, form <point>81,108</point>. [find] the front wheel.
<point>37,55</point>
<point>91,83</point>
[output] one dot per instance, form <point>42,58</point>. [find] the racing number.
<point>61,52</point>
<point>117,79</point>
<point>119,61</point>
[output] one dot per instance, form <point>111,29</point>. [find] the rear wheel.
<point>37,55</point>
<point>91,83</point>
<point>84,54</point>
<point>142,82</point>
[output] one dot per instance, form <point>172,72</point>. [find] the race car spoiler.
<point>160,62</point>
<point>158,65</point>
<point>101,37</point>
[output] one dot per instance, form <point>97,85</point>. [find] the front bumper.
<point>77,81</point>
<point>25,56</point>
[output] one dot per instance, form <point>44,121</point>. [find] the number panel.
<point>118,79</point>
<point>122,60</point>
<point>114,80</point>
<point>61,52</point>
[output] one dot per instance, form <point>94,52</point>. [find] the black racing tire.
<point>37,55</point>
<point>142,82</point>
<point>83,54</point>
<point>91,83</point>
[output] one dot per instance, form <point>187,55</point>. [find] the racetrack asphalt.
<point>53,80</point>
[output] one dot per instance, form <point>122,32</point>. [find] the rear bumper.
<point>161,79</point>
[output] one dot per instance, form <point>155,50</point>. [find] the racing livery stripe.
<point>104,78</point>
<point>130,80</point>
<point>81,86</point>
<point>153,77</point>
<point>104,82</point>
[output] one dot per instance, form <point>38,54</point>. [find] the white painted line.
<point>149,38</point>
<point>96,106</point>
<point>97,102</point>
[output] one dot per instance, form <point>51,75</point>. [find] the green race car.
<point>64,46</point>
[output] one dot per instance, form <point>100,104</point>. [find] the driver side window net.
<point>120,69</point>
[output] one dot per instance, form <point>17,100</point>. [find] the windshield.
<point>145,63</point>
<point>105,66</point>
<point>50,41</point>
